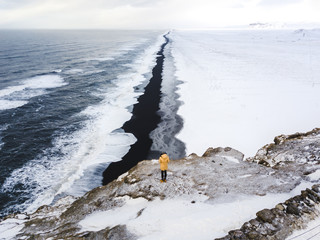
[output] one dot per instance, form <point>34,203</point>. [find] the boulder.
<point>266,215</point>
<point>212,151</point>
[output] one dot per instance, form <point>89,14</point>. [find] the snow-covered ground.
<point>182,219</point>
<point>204,197</point>
<point>311,232</point>
<point>10,228</point>
<point>242,88</point>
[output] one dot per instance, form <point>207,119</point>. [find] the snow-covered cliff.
<point>204,198</point>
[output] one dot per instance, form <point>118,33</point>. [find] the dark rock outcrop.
<point>299,148</point>
<point>279,222</point>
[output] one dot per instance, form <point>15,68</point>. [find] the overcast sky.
<point>151,14</point>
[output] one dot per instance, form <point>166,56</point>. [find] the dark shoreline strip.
<point>143,121</point>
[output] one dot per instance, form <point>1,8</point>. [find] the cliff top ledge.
<point>212,194</point>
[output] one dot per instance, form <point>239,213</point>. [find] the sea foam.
<point>18,95</point>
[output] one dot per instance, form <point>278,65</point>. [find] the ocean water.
<point>64,96</point>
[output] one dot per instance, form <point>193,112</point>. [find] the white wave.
<point>119,51</point>
<point>87,152</point>
<point>83,72</point>
<point>74,71</point>
<point>2,128</point>
<point>93,72</point>
<point>100,59</point>
<point>45,81</point>
<point>7,104</point>
<point>18,95</point>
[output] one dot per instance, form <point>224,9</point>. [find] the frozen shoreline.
<point>164,136</point>
<point>144,120</point>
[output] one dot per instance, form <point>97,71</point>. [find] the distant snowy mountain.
<point>260,25</point>
<point>279,25</point>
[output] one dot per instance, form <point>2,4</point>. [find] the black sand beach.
<point>144,120</point>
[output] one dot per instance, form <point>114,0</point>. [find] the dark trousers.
<point>163,175</point>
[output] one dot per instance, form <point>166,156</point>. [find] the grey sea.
<point>64,96</point>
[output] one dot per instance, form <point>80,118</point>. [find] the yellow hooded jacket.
<point>163,160</point>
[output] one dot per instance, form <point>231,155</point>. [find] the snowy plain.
<point>242,88</point>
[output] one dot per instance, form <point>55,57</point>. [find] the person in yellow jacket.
<point>164,160</point>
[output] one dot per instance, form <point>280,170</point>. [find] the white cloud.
<point>278,3</point>
<point>151,13</point>
<point>22,15</point>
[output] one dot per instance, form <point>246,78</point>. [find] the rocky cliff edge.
<point>206,196</point>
